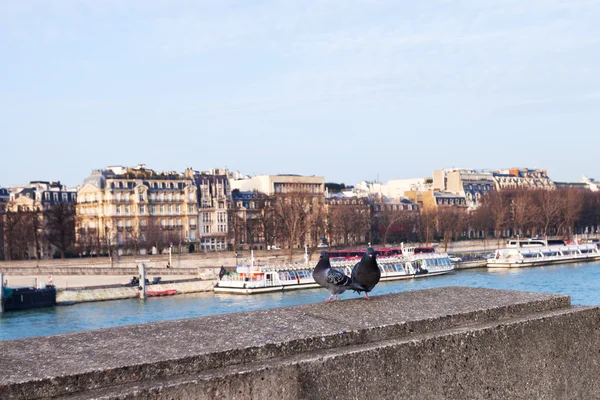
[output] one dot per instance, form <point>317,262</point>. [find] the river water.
<point>580,281</point>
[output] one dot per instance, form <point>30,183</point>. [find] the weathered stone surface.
<point>439,343</point>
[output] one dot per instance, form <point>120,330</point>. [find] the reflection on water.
<point>580,281</point>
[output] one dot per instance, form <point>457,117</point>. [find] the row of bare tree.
<point>293,220</point>
<point>33,234</point>
<point>521,212</point>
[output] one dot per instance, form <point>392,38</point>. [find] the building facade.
<point>281,184</point>
<point>247,229</point>
<point>4,197</point>
<point>470,184</point>
<point>524,178</point>
<point>137,210</point>
<point>25,223</point>
<point>214,199</point>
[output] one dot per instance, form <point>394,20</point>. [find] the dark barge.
<point>22,298</point>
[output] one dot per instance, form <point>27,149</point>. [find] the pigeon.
<point>366,272</point>
<point>333,280</point>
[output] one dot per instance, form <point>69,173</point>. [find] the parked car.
<point>274,247</point>
<point>455,259</point>
<point>320,245</point>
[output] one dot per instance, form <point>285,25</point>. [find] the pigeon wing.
<point>337,278</point>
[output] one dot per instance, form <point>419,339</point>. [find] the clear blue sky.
<point>347,89</point>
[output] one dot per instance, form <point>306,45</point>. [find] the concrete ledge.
<point>439,343</point>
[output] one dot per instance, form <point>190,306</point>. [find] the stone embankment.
<point>452,343</point>
<point>127,292</point>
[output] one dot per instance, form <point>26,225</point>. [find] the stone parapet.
<point>452,342</point>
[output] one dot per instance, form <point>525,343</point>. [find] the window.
<point>128,223</point>
<point>65,197</point>
<point>162,209</point>
<point>143,222</point>
<point>192,221</point>
<point>178,209</point>
<point>126,209</point>
<point>170,209</point>
<point>55,196</point>
<point>153,209</point>
<point>142,209</point>
<point>178,222</point>
<point>118,209</point>
<point>191,208</point>
<point>141,196</point>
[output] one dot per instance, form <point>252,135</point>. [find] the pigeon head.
<point>371,253</point>
<point>324,256</point>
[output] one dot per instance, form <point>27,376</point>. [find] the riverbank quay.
<point>458,343</point>
<point>117,292</point>
<point>193,261</point>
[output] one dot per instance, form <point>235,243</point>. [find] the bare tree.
<point>450,223</point>
<point>394,220</point>
<point>495,204</point>
<point>291,213</point>
<point>525,211</point>
<point>572,199</point>
<point>550,207</point>
<point>60,226</point>
<point>18,230</point>
<point>427,224</point>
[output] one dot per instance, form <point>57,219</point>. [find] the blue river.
<point>580,281</point>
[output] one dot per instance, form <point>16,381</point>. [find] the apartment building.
<point>470,184</point>
<point>24,231</point>
<point>136,208</point>
<point>526,178</point>
<point>281,184</point>
<point>213,194</point>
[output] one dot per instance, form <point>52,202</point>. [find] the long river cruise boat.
<point>538,252</point>
<point>395,264</point>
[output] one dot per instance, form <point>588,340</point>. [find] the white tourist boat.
<point>251,279</point>
<point>532,256</point>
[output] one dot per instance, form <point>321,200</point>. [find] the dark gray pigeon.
<point>331,279</point>
<point>366,272</point>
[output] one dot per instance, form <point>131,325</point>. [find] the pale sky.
<point>345,89</point>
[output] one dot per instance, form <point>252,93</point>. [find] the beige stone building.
<point>137,209</point>
<point>433,199</point>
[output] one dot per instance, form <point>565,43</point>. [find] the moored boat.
<point>25,297</point>
<point>518,257</point>
<point>252,279</point>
